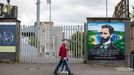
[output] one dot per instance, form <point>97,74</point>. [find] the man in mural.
<point>106,47</point>
<point>63,58</point>
<point>7,9</point>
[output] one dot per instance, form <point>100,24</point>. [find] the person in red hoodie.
<point>63,58</point>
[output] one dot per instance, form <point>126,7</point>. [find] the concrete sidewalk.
<point>47,69</point>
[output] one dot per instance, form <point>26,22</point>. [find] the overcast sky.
<point>64,12</point>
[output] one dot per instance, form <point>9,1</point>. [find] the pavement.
<point>77,69</point>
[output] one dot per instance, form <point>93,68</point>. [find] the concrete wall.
<point>132,37</point>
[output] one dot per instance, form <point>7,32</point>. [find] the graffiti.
<point>6,38</point>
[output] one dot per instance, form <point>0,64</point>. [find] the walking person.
<point>63,58</point>
<point>63,65</point>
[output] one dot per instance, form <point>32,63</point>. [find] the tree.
<point>32,40</point>
<point>132,14</point>
<point>77,46</point>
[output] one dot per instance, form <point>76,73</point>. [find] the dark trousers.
<point>65,62</point>
<point>63,65</point>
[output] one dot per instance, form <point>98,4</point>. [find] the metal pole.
<point>50,13</point>
<point>38,14</point>
<point>49,2</point>
<point>38,26</point>
<point>106,9</point>
<point>127,2</point>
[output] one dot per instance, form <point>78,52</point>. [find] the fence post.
<point>85,45</point>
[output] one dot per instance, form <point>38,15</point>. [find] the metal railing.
<point>43,47</point>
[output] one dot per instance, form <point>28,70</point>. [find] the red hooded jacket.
<point>63,51</point>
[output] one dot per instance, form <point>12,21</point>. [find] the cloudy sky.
<point>64,12</point>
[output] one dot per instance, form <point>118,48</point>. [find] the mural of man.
<point>106,47</point>
<point>106,33</point>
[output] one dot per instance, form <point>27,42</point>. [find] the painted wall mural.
<point>7,38</point>
<point>106,40</point>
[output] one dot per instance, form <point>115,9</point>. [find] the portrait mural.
<point>106,40</point>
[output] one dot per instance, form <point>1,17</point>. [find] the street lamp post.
<point>50,13</point>
<point>49,2</point>
<point>106,8</point>
<point>37,26</point>
<point>38,14</point>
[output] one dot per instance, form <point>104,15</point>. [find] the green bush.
<point>33,40</point>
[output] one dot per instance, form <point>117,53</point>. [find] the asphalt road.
<point>47,69</point>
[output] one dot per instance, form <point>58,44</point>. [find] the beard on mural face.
<point>103,40</point>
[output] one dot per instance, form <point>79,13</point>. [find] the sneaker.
<point>64,71</point>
